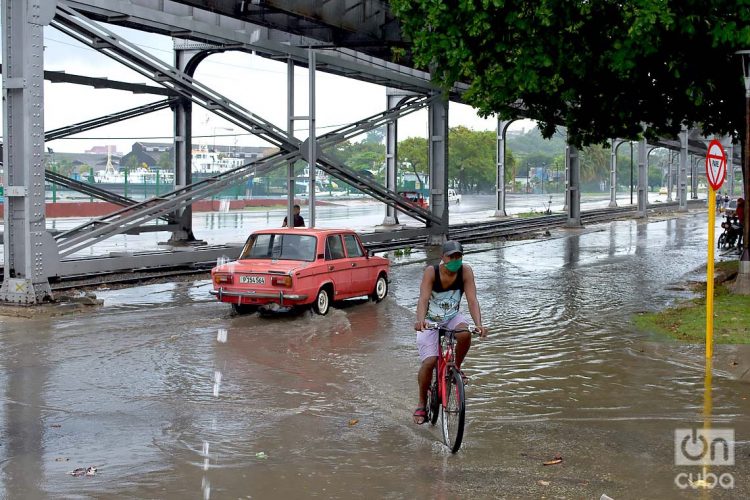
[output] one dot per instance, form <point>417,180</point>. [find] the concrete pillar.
<point>642,178</point>
<point>566,205</point>
<point>290,131</point>
<point>502,128</point>
<point>730,169</point>
<point>573,193</point>
<point>186,60</point>
<point>682,181</point>
<point>669,177</point>
<point>312,140</point>
<point>613,175</point>
<point>30,251</point>
<point>393,96</point>
<point>437,140</point>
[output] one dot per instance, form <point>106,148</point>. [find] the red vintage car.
<point>298,267</point>
<point>415,198</point>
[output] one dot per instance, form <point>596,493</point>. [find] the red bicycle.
<point>446,396</point>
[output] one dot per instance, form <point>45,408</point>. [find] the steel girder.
<point>101,121</point>
<point>125,220</point>
<point>89,33</point>
<point>183,21</point>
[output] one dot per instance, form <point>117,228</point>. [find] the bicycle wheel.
<point>454,411</point>
<point>433,399</point>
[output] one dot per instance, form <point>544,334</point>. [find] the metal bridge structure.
<point>350,38</point>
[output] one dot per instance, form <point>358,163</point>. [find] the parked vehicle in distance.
<point>286,268</point>
<point>415,198</point>
<point>663,190</point>
<point>453,197</point>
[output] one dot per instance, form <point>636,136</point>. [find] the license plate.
<point>253,280</point>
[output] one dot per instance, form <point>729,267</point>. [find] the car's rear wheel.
<point>381,289</point>
<point>322,302</point>
<point>244,308</point>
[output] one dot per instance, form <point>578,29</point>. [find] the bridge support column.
<point>730,169</point>
<point>669,177</point>
<point>573,194</point>
<point>502,129</point>
<point>682,181</point>
<point>187,56</point>
<point>567,181</point>
<point>612,175</point>
<point>393,96</point>
<point>290,188</point>
<point>29,250</point>
<point>642,178</point>
<point>437,140</point>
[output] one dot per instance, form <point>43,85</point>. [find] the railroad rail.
<point>465,233</point>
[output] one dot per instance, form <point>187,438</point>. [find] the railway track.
<point>465,233</point>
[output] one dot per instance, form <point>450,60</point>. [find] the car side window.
<point>334,248</point>
<point>352,246</point>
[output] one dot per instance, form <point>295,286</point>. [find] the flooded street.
<point>170,396</point>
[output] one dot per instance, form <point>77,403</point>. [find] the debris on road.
<point>83,471</point>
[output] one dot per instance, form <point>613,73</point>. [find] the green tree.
<point>414,151</point>
<point>471,158</point>
<point>594,162</point>
<point>603,69</point>
<point>165,161</point>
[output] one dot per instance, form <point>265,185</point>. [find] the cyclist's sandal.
<point>420,415</point>
<point>464,377</point>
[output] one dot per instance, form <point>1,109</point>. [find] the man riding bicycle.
<point>440,294</point>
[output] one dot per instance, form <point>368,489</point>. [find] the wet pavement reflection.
<point>171,396</point>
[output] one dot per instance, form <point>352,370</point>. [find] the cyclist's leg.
<point>424,377</point>
<point>427,343</point>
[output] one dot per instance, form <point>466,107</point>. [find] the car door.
<point>337,265</point>
<point>361,272</point>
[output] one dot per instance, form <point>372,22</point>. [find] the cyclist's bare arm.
<point>425,289</point>
<point>470,290</point>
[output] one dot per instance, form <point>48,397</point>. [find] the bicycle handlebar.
<point>433,325</point>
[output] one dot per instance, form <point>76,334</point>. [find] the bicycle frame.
<point>446,360</point>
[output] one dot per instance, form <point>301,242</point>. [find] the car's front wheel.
<point>322,302</point>
<point>381,289</point>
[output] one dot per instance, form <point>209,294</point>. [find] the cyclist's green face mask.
<point>453,265</point>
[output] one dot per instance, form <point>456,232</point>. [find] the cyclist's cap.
<point>450,247</point>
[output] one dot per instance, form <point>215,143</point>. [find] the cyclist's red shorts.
<point>427,340</point>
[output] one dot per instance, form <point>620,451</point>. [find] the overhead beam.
<point>103,83</point>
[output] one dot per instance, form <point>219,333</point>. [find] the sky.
<point>255,83</point>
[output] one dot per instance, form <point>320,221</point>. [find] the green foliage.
<point>165,161</point>
<point>471,158</point>
<point>687,322</point>
<point>602,69</point>
<point>360,156</point>
<point>414,150</point>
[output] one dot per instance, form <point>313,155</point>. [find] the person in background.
<point>298,220</point>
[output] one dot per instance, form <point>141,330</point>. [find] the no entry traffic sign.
<point>716,165</point>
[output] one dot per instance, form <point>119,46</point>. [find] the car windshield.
<point>280,247</point>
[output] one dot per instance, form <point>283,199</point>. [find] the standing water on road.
<point>170,396</point>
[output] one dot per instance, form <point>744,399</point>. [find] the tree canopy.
<point>602,69</point>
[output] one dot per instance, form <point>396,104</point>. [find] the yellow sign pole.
<point>710,275</point>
